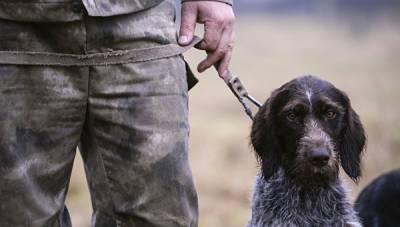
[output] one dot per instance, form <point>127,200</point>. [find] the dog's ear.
<point>352,143</point>
<point>264,139</point>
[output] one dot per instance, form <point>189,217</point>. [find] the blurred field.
<point>362,60</point>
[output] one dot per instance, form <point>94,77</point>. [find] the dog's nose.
<point>319,156</point>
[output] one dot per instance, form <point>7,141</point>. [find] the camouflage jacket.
<point>71,10</point>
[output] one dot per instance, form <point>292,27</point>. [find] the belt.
<point>98,59</point>
<point>104,58</point>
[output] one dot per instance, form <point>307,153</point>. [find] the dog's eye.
<point>330,114</point>
<point>291,116</point>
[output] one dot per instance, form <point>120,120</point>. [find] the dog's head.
<point>307,127</point>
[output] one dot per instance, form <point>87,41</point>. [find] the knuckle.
<point>225,49</point>
<point>219,19</point>
<point>210,43</point>
<point>229,20</point>
<point>221,51</point>
<point>229,46</point>
<point>186,27</point>
<point>215,25</point>
<point>220,22</point>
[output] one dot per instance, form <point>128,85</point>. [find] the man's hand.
<point>218,37</point>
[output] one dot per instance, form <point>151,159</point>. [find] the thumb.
<point>188,23</point>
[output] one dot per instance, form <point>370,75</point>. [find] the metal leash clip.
<point>240,92</point>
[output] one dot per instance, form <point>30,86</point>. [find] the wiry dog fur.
<point>301,135</point>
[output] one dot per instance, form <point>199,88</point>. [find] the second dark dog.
<point>378,205</point>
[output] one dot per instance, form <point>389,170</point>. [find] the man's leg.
<point>42,110</point>
<point>135,142</point>
<point>135,145</point>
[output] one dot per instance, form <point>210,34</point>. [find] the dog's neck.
<point>281,201</point>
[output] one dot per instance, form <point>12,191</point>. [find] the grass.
<point>270,51</point>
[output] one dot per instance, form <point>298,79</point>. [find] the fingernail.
<point>183,39</point>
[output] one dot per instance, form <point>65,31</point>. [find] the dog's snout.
<point>319,156</point>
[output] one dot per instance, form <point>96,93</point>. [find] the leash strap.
<point>238,89</point>
<point>107,58</point>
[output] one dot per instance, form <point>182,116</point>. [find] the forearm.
<point>229,2</point>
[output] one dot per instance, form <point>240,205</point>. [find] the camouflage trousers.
<point>129,120</point>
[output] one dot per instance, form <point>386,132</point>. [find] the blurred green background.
<point>354,44</point>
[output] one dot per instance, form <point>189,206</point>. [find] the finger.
<point>188,23</point>
<point>212,36</point>
<point>211,59</point>
<point>222,53</point>
<point>224,64</point>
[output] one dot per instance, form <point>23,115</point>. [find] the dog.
<point>378,204</point>
<point>302,134</point>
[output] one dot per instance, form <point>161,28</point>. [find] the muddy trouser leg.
<point>42,110</point>
<point>135,145</point>
<point>135,140</point>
